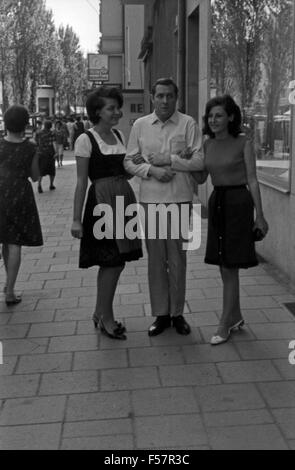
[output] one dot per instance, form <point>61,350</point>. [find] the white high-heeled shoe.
<point>217,339</point>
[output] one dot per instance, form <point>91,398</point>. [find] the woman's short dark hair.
<point>96,101</point>
<point>231,108</point>
<point>16,118</point>
<point>165,82</point>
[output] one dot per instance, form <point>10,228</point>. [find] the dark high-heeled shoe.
<point>13,300</point>
<point>117,333</point>
<point>120,326</point>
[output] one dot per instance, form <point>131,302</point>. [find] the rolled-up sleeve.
<point>195,142</point>
<point>133,148</point>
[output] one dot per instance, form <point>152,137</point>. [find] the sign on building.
<point>98,68</point>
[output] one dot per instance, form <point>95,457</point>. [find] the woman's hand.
<point>138,159</point>
<point>261,224</point>
<point>200,176</point>
<point>77,230</point>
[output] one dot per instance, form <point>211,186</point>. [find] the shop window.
<point>252,59</point>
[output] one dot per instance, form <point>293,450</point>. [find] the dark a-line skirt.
<point>230,240</point>
<point>107,252</point>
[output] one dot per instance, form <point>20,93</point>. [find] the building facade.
<point>122,28</point>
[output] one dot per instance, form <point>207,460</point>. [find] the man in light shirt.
<point>165,179</point>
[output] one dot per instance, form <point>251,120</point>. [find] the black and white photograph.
<point>147,227</point>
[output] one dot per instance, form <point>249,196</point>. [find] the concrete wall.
<point>134,31</point>
<point>111,26</point>
<point>126,122</point>
<point>122,27</point>
<point>279,245</point>
<point>198,68</point>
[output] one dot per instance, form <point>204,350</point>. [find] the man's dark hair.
<point>96,101</point>
<point>231,108</point>
<point>16,118</point>
<point>165,82</point>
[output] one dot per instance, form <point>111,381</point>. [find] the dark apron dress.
<point>109,180</point>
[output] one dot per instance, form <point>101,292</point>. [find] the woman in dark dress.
<point>19,219</point>
<point>230,161</point>
<point>100,153</point>
<point>46,152</point>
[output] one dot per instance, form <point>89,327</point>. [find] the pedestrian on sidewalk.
<point>232,231</point>
<point>66,133</point>
<point>70,126</point>
<point>46,152</point>
<point>99,154</point>
<point>19,219</point>
<point>170,145</point>
<point>59,139</point>
<point>78,129</point>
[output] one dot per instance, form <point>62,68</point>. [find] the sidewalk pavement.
<point>65,386</point>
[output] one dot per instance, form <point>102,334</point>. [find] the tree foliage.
<point>250,38</point>
<point>33,52</point>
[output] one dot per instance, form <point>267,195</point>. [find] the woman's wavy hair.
<point>96,101</point>
<point>231,108</point>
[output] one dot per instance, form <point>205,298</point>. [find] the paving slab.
<point>158,432</point>
<point>34,437</point>
<point>164,401</point>
<point>33,410</point>
<point>259,437</point>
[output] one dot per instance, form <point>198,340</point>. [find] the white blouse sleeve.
<point>83,146</point>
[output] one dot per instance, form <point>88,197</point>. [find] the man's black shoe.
<point>181,326</point>
<point>159,325</point>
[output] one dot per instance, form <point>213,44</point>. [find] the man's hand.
<point>138,159</point>
<point>77,230</point>
<point>162,174</point>
<point>159,159</point>
<point>186,153</point>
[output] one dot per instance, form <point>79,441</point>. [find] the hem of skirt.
<point>231,265</point>
<point>9,242</point>
<point>134,256</point>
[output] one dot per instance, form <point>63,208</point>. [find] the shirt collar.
<point>174,118</point>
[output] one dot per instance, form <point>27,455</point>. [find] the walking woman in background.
<point>100,153</point>
<point>46,153</point>
<point>59,136</point>
<point>231,163</point>
<point>19,219</point>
